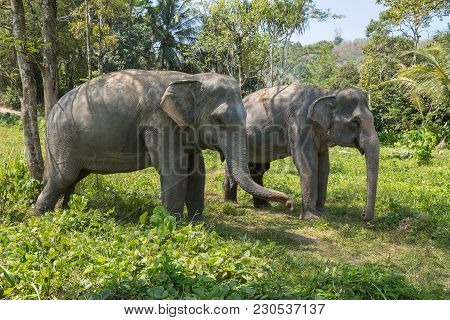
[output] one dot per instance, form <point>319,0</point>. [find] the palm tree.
<point>174,24</point>
<point>429,77</point>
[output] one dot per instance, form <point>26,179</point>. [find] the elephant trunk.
<point>237,162</point>
<point>372,153</point>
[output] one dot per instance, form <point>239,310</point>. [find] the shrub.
<point>422,142</point>
<point>86,254</point>
<point>9,119</point>
<point>10,98</point>
<point>17,189</point>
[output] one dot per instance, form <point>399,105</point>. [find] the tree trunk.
<point>272,36</point>
<point>50,70</point>
<point>100,43</point>
<point>88,38</point>
<point>33,153</point>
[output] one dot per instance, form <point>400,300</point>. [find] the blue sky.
<point>357,16</point>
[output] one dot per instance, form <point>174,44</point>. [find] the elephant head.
<point>210,105</point>
<point>348,122</point>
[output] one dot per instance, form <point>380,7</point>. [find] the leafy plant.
<point>10,97</point>
<point>429,77</point>
<point>422,142</point>
<point>9,119</point>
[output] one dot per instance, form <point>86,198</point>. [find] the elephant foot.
<point>196,218</point>
<point>261,204</point>
<point>39,210</point>
<point>322,211</point>
<point>310,215</point>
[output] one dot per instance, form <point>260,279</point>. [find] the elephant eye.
<point>356,122</point>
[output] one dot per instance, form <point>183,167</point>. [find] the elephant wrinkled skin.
<point>303,122</point>
<point>133,119</point>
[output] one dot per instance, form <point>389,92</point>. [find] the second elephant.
<point>303,122</point>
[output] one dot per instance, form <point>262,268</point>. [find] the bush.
<point>10,119</point>
<point>422,142</point>
<point>17,190</point>
<point>86,254</point>
<point>10,98</point>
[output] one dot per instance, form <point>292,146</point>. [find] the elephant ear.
<point>321,111</point>
<point>179,101</point>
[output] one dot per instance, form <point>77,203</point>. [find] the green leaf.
<point>9,276</point>
<point>143,218</point>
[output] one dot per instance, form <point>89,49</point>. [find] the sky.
<point>357,16</point>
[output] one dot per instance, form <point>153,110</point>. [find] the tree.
<point>230,42</point>
<point>174,24</point>
<point>281,19</point>
<point>429,78</point>
<point>337,36</point>
<point>392,110</point>
<point>87,18</point>
<point>412,17</point>
<point>344,76</point>
<point>33,153</point>
<point>319,64</point>
<point>91,21</point>
<point>134,49</point>
<point>50,63</point>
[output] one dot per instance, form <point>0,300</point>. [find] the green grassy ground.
<point>106,246</point>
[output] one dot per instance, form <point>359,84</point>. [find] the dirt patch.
<point>6,110</point>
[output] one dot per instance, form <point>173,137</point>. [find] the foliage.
<point>102,37</point>
<point>174,25</point>
<point>282,19</point>
<point>86,254</point>
<point>322,64</point>
<point>317,64</point>
<point>17,189</point>
<point>134,48</point>
<point>10,98</point>
<point>422,142</point>
<point>391,107</point>
<point>411,17</point>
<point>9,119</point>
<point>230,41</point>
<point>428,77</point>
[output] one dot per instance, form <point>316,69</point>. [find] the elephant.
<point>133,119</point>
<point>303,122</point>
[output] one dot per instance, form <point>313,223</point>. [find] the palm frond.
<point>430,77</point>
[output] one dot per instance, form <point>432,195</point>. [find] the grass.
<point>115,241</point>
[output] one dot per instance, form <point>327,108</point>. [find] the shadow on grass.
<point>124,205</point>
<point>280,237</point>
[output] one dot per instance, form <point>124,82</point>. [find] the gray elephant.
<point>304,122</point>
<point>133,119</point>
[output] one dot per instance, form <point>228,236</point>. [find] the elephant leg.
<point>173,193</point>
<point>70,189</point>
<point>59,180</point>
<point>305,157</point>
<point>323,172</point>
<point>257,171</point>
<point>48,197</point>
<point>229,187</point>
<point>195,193</point>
